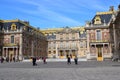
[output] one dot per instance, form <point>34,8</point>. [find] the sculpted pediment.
<point>66,30</point>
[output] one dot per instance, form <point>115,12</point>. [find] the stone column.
<point>115,55</point>
<point>103,50</point>
<point>52,53</point>
<point>70,52</point>
<point>88,41</point>
<point>110,49</point>
<point>20,49</point>
<point>58,54</point>
<point>7,52</point>
<point>32,49</point>
<point>64,53</point>
<point>96,50</point>
<point>4,55</point>
<point>88,46</point>
<point>3,52</point>
<point>16,54</point>
<point>56,51</point>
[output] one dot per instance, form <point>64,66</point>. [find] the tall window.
<point>61,44</point>
<point>12,39</point>
<point>81,44</point>
<point>67,36</point>
<point>98,35</point>
<point>82,34</point>
<point>67,44</point>
<point>73,35</point>
<point>61,36</point>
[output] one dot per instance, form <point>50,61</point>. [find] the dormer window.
<point>97,20</point>
<point>13,26</point>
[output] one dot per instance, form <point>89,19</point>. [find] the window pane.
<point>98,35</point>
<point>12,39</point>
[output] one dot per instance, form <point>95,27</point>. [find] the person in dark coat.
<point>34,61</point>
<point>2,59</point>
<point>7,59</point>
<point>44,60</point>
<point>76,60</point>
<point>69,60</point>
<point>14,59</point>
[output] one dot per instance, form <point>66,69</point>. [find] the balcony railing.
<point>10,44</point>
<point>99,40</point>
<point>70,47</point>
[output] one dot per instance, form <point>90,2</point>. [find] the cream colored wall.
<point>80,52</point>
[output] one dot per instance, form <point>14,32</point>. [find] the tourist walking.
<point>44,60</point>
<point>68,60</point>
<point>76,60</point>
<point>7,59</point>
<point>34,61</point>
<point>14,59</point>
<point>2,59</point>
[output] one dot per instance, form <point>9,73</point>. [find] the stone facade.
<point>98,36</point>
<point>20,40</point>
<point>66,41</point>
<point>98,40</point>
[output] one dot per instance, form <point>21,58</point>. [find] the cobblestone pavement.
<point>90,70</point>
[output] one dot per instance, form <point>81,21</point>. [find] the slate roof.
<point>51,36</point>
<point>104,17</point>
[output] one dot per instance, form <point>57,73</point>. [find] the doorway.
<point>99,53</point>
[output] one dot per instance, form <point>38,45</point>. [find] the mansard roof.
<point>104,17</point>
<point>56,30</point>
<point>7,24</point>
<point>51,36</point>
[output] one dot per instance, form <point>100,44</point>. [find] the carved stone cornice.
<point>67,30</point>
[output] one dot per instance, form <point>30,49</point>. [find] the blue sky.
<point>54,13</point>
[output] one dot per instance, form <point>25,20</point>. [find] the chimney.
<point>27,22</point>
<point>111,8</point>
<point>87,23</point>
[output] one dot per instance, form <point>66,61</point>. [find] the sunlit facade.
<point>21,41</point>
<point>99,46</point>
<point>97,40</point>
<point>66,41</point>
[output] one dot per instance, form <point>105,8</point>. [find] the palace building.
<point>98,36</point>
<point>98,40</point>
<point>66,41</point>
<point>20,40</point>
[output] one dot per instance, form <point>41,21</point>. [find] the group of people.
<point>44,60</point>
<point>69,59</point>
<point>6,59</point>
<point>34,61</point>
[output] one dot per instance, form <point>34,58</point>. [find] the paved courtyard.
<point>85,70</point>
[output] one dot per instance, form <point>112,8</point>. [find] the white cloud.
<point>61,11</point>
<point>43,11</point>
